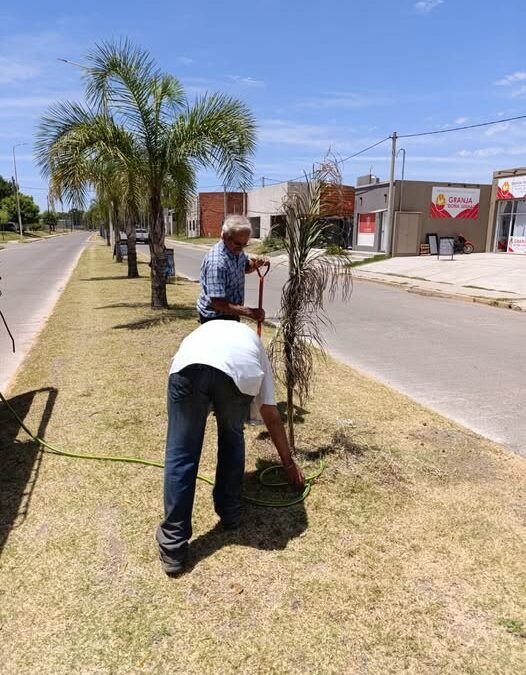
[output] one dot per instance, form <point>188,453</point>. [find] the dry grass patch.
<point>407,557</point>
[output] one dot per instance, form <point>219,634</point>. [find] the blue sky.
<point>336,74</point>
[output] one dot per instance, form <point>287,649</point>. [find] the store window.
<point>511,226</point>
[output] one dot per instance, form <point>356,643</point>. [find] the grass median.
<point>408,556</point>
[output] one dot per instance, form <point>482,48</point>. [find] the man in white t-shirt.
<point>225,364</point>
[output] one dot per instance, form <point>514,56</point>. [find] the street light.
<point>16,190</point>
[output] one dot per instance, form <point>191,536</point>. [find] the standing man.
<point>223,275</point>
<point>223,363</point>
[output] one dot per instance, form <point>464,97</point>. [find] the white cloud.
<point>498,129</point>
<point>520,92</point>
<point>185,60</point>
<point>345,100</point>
<point>461,120</point>
<point>290,133</point>
<point>14,70</point>
<point>426,6</point>
<point>518,76</point>
<point>248,81</point>
<point>483,152</point>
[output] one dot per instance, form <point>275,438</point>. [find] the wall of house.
<point>212,210</point>
<point>338,200</point>
<point>265,202</point>
<point>370,199</point>
<point>192,217</point>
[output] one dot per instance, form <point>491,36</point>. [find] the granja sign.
<point>449,202</point>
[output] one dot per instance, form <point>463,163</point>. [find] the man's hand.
<point>259,261</point>
<point>256,313</point>
<point>256,263</point>
<point>294,474</point>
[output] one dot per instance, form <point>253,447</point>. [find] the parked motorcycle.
<point>463,245</point>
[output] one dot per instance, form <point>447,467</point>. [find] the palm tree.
<point>139,117</point>
<point>80,155</point>
<point>312,273</point>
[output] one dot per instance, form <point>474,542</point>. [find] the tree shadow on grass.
<point>19,460</point>
<point>120,277</point>
<point>130,305</point>
<point>299,417</point>
<point>176,313</point>
<point>263,527</point>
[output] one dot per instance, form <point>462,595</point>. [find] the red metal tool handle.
<point>261,276</point>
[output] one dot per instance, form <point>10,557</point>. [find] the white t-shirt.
<point>236,350</point>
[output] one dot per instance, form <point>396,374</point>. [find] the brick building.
<point>207,212</point>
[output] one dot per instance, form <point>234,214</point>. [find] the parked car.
<point>141,236</point>
<point>8,227</point>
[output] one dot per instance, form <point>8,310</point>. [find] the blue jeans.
<point>190,393</point>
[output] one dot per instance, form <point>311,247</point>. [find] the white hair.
<point>235,224</point>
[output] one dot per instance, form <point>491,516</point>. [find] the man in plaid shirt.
<point>223,275</point>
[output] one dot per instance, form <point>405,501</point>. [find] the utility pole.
<point>390,202</point>
<point>402,150</point>
<point>16,190</point>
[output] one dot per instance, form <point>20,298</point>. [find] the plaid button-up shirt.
<point>222,276</point>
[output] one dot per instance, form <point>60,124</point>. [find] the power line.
<point>338,161</point>
<point>467,126</point>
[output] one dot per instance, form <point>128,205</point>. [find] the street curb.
<point>432,292</point>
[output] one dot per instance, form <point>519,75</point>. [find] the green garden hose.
<point>147,462</point>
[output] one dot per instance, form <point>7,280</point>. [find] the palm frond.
<point>119,81</point>
<point>217,131</point>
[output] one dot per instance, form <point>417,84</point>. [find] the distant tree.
<point>6,188</point>
<point>76,216</point>
<point>50,220</point>
<point>28,209</point>
<point>4,216</point>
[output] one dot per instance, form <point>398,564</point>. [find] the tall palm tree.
<point>141,117</point>
<point>312,273</point>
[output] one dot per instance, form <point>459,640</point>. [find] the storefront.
<point>421,208</point>
<point>509,212</point>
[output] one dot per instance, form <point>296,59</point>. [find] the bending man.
<point>223,363</point>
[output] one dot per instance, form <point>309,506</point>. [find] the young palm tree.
<point>141,117</point>
<point>312,273</point>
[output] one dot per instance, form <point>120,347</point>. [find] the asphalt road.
<point>33,276</point>
<point>466,361</point>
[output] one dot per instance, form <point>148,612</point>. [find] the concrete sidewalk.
<point>493,278</point>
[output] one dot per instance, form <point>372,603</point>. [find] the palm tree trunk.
<point>107,232</point>
<point>133,271</point>
<point>117,239</point>
<point>158,255</point>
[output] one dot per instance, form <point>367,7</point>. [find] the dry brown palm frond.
<point>312,273</point>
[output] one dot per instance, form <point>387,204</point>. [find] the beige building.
<point>421,209</point>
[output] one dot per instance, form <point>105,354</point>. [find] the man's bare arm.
<point>272,419</point>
